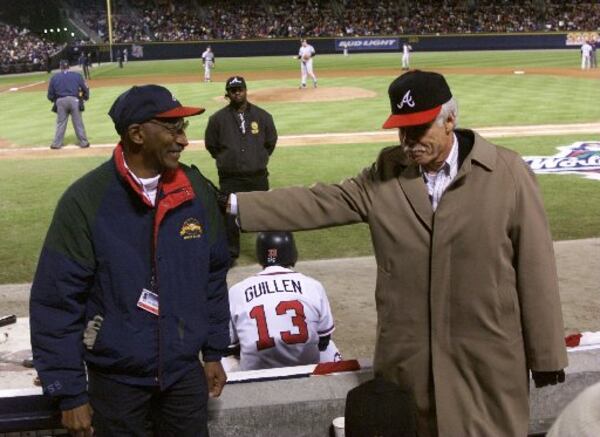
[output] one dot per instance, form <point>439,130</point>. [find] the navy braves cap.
<point>142,103</point>
<point>416,97</point>
<point>235,82</point>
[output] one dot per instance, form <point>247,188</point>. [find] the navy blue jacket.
<point>105,245</point>
<point>67,83</point>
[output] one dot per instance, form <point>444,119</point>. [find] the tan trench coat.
<point>467,297</point>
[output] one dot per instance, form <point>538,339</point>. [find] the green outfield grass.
<point>36,185</point>
<point>492,100</point>
<point>515,59</point>
<point>485,100</point>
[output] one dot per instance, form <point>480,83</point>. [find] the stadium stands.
<point>199,20</point>
<point>21,50</point>
<point>164,20</point>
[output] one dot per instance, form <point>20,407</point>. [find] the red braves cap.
<point>142,103</point>
<point>416,97</point>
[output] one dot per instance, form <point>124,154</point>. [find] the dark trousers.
<point>239,184</point>
<point>126,410</point>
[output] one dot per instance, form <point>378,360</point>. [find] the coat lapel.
<point>415,190</point>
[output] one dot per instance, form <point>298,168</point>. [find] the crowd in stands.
<point>20,46</point>
<point>185,20</point>
<point>193,20</point>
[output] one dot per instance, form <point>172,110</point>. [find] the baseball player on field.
<point>586,55</point>
<point>208,60</point>
<point>280,317</point>
<point>406,48</point>
<point>305,54</point>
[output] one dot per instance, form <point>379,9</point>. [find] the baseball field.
<point>334,130</point>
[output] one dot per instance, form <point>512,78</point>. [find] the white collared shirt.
<point>437,182</point>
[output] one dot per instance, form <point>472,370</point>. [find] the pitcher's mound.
<point>309,94</point>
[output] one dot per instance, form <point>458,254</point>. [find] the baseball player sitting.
<point>280,317</point>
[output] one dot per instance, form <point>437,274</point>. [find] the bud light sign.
<point>361,44</point>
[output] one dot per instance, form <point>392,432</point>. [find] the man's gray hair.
<point>450,108</point>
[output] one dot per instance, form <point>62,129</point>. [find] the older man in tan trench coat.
<point>466,294</point>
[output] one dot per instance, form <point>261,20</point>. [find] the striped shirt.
<point>437,182</point>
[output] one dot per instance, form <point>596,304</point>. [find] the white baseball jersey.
<point>277,317</point>
<point>208,57</point>
<point>307,51</point>
<point>406,48</point>
<point>586,50</point>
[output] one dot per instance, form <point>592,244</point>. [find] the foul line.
<point>13,89</point>
<point>390,136</point>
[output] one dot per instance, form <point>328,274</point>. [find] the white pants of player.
<point>405,60</point>
<point>207,67</point>
<point>306,68</point>
<point>585,62</point>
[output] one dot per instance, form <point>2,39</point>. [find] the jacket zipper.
<point>154,284</point>
<point>154,280</point>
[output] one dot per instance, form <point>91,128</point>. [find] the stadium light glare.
<point>65,29</point>
<point>51,30</point>
<point>58,29</point>
<point>45,30</point>
<point>73,34</point>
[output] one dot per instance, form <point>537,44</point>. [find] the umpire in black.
<point>240,137</point>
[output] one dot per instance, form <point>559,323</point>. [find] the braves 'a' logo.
<point>582,158</point>
<point>407,99</point>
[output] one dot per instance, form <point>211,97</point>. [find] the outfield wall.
<point>278,47</point>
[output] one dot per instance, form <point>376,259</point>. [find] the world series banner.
<point>363,44</point>
<point>581,158</point>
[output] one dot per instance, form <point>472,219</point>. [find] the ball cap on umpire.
<point>142,103</point>
<point>235,82</point>
<point>416,98</point>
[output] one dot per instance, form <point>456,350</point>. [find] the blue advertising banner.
<point>367,44</point>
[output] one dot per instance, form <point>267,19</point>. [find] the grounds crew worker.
<point>240,137</point>
<point>467,292</point>
<point>131,284</point>
<point>66,90</point>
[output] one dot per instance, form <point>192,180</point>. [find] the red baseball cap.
<point>416,97</point>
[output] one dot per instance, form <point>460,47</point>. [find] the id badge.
<point>148,301</point>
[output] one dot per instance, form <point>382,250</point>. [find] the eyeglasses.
<point>173,128</point>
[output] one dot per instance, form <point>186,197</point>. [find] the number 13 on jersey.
<point>296,310</point>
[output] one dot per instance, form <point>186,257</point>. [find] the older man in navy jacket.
<point>130,284</point>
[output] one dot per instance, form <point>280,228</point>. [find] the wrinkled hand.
<point>78,421</point>
<point>215,377</point>
<point>543,379</point>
